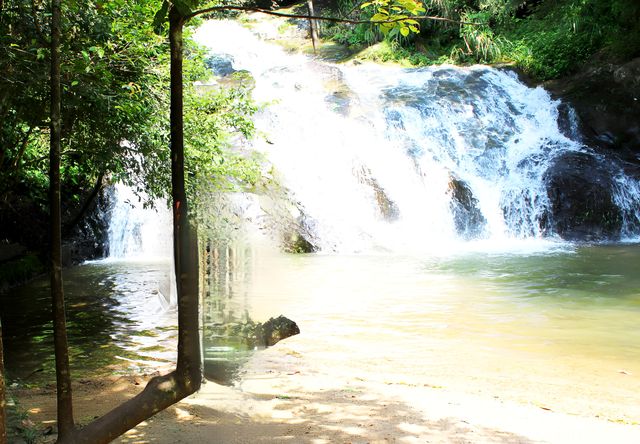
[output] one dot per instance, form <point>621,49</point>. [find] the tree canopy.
<point>115,112</point>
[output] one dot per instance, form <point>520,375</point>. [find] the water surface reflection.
<point>113,309</point>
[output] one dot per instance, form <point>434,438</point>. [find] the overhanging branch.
<point>316,17</point>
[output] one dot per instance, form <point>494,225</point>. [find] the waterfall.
<point>136,231</point>
<point>143,234</point>
<point>379,157</point>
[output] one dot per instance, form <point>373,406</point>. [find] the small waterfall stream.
<point>379,157</point>
<point>136,231</point>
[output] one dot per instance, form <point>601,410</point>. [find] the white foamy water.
<point>136,231</point>
<point>355,143</point>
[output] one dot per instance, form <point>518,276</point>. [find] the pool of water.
<point>558,327</point>
<point>115,313</point>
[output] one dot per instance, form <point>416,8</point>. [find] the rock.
<point>389,210</point>
<point>579,186</point>
<point>293,241</point>
<point>10,251</point>
<point>274,331</point>
<point>467,217</point>
<point>90,238</point>
<point>220,64</point>
<point>606,100</point>
<point>260,334</point>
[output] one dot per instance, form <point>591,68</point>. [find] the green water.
<point>114,314</point>
<point>558,327</point>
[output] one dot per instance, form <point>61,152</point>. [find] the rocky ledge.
<point>606,99</point>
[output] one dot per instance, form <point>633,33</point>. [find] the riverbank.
<point>285,396</point>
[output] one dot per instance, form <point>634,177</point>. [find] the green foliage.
<point>114,103</point>
<point>394,17</point>
<point>557,38</point>
<point>480,42</point>
<point>115,107</point>
<point>547,39</point>
<point>217,121</point>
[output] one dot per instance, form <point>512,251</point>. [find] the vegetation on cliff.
<point>546,39</point>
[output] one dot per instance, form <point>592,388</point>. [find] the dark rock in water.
<point>261,334</point>
<point>467,217</point>
<point>10,251</point>
<point>296,235</point>
<point>293,241</point>
<point>90,238</point>
<point>580,188</point>
<point>220,64</point>
<point>388,208</point>
<point>606,100</point>
<point>231,344</point>
<point>274,331</point>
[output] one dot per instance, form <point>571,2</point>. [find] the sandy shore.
<point>283,397</point>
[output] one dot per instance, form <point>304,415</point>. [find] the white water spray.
<point>138,232</point>
<point>402,159</point>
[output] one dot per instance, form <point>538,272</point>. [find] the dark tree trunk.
<point>163,391</point>
<point>63,377</point>
<point>313,25</point>
<point>3,403</point>
<point>185,244</point>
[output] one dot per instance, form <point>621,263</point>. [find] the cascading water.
<point>143,234</point>
<point>392,158</point>
<point>135,231</point>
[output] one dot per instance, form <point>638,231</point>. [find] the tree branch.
<point>315,17</point>
<point>159,393</point>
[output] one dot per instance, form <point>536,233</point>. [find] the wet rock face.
<point>606,99</point>
<point>388,209</point>
<point>579,186</point>
<point>467,217</point>
<point>294,241</point>
<point>90,239</point>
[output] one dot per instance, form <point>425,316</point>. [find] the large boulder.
<point>606,99</point>
<point>582,207</point>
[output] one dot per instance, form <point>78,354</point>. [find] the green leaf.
<point>379,17</point>
<point>160,17</point>
<point>183,7</point>
<point>404,31</point>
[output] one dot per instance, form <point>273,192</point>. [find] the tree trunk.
<point>3,402</point>
<point>185,243</point>
<point>63,378</point>
<point>313,25</point>
<point>163,391</point>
